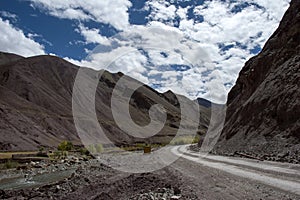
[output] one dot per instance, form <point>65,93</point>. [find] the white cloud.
<point>113,12</point>
<point>273,8</point>
<point>92,35</point>
<point>33,36</point>
<point>224,26</point>
<point>250,27</point>
<point>216,49</point>
<point>172,58</point>
<point>182,12</point>
<point>70,13</point>
<point>9,15</point>
<point>151,66</point>
<point>161,10</point>
<point>13,40</point>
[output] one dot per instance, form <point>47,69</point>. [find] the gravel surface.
<point>183,179</point>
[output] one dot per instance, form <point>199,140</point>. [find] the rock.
<point>85,159</point>
<point>22,167</point>
<point>2,193</point>
<point>176,191</point>
<point>37,166</point>
<point>263,108</point>
<point>161,190</point>
<point>86,179</point>
<point>58,188</point>
<point>281,155</point>
<point>175,197</point>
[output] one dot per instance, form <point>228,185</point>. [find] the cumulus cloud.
<point>196,58</point>
<point>182,12</point>
<point>157,55</point>
<point>113,12</point>
<point>233,34</point>
<point>161,10</point>
<point>92,35</point>
<point>13,40</point>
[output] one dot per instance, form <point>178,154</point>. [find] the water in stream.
<point>35,181</point>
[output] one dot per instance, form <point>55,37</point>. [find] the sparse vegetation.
<point>8,155</point>
<point>62,150</point>
<point>84,151</point>
<point>41,152</point>
<point>95,148</point>
<point>57,155</point>
<point>41,149</point>
<point>185,140</point>
<point>131,148</point>
<point>177,141</point>
<point>65,146</point>
<point>9,165</point>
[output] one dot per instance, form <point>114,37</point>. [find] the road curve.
<point>283,176</point>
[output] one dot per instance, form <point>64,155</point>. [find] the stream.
<point>34,181</point>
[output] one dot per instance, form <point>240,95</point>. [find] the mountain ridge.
<point>36,104</point>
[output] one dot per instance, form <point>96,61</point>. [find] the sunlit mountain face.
<point>194,48</point>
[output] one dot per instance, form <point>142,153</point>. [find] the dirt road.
<point>218,177</point>
<point>191,176</point>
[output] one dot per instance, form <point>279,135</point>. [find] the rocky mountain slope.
<point>263,115</point>
<point>36,104</point>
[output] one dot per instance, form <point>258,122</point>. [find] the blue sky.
<point>195,48</point>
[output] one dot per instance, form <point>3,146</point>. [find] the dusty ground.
<point>183,178</point>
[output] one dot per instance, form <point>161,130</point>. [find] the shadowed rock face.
<point>36,104</point>
<point>263,114</point>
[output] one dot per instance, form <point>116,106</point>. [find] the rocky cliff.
<point>263,114</point>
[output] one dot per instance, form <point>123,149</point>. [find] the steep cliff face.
<point>263,114</point>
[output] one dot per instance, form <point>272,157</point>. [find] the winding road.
<point>236,174</point>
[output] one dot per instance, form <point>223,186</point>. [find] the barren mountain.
<point>263,115</point>
<point>36,104</point>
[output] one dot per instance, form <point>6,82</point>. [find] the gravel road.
<point>218,177</point>
<point>192,176</point>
